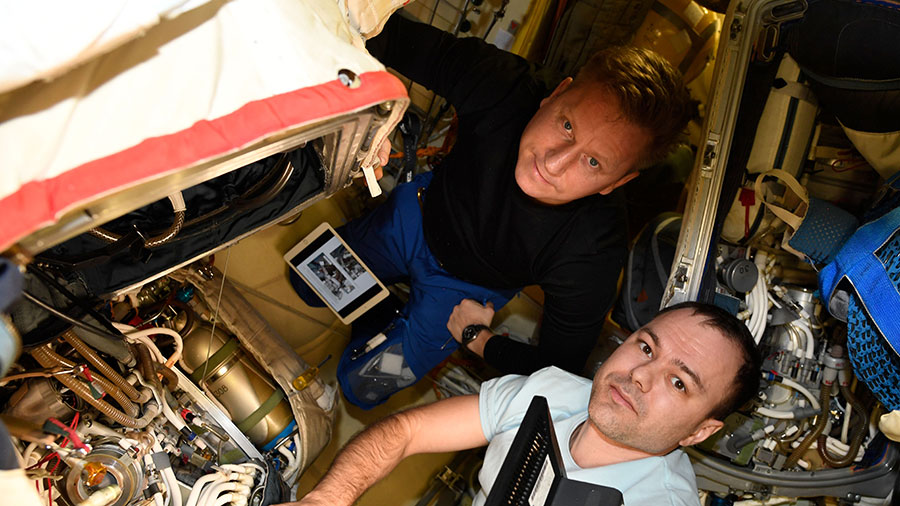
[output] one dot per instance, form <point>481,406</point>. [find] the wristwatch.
<point>470,333</point>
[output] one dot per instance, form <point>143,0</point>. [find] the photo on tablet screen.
<point>346,260</point>
<point>330,276</point>
<point>335,273</point>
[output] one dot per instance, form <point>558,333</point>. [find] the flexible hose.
<point>800,388</point>
<point>284,169</point>
<point>169,234</point>
<point>814,432</point>
<point>128,407</point>
<point>101,366</point>
<point>773,413</point>
<point>210,479</point>
<point>232,498</point>
<point>168,476</point>
<point>858,435</point>
<point>145,366</point>
<point>168,376</point>
<point>132,335</point>
<point>178,207</point>
<point>212,491</point>
<point>810,341</point>
<point>81,390</point>
<point>153,242</point>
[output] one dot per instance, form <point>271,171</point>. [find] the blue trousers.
<point>391,243</point>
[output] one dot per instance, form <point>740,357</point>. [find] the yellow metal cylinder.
<point>218,362</point>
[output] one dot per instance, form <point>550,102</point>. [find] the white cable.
<point>298,450</point>
<point>763,304</point>
<point>205,480</point>
<point>757,304</point>
<point>260,469</point>
<point>773,413</point>
<point>800,388</point>
<point>845,428</point>
<point>759,309</point>
<point>803,326</point>
<point>225,499</point>
<point>230,485</point>
<point>796,348</point>
<point>211,493</point>
<point>137,334</point>
<point>154,351</point>
<point>146,341</point>
<point>290,460</point>
<point>834,444</point>
<point>166,409</point>
<point>170,415</point>
<point>293,465</point>
<point>750,299</point>
<point>240,468</point>
<point>148,461</point>
<point>758,296</point>
<point>762,307</point>
<point>26,456</point>
<point>168,476</point>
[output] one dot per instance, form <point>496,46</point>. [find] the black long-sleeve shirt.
<point>477,221</point>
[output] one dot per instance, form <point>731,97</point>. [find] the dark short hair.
<point>746,380</point>
<point>650,91</point>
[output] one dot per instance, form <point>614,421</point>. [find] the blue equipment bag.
<point>867,268</point>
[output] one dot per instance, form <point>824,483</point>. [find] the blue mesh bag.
<point>824,229</point>
<point>867,270</point>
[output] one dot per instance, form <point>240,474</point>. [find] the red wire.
<point>76,441</point>
<point>72,426</point>
<point>65,442</point>
<point>70,429</point>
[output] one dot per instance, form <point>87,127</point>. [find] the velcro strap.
<point>264,409</point>
<point>214,360</point>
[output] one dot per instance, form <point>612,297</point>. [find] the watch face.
<point>470,333</point>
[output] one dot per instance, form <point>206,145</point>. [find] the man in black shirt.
<point>526,196</point>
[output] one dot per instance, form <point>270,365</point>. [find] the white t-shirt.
<point>654,481</point>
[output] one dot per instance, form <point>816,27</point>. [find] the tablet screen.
<point>334,272</point>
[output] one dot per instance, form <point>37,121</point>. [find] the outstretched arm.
<point>449,425</point>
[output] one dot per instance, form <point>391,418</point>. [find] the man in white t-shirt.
<point>668,385</point>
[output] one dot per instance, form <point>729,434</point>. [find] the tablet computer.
<point>325,262</point>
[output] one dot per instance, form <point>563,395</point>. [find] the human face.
<point>577,144</point>
<point>657,389</point>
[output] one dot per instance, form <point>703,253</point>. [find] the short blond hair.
<point>651,93</point>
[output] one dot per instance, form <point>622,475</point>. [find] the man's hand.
<point>384,153</point>
<point>470,312</point>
